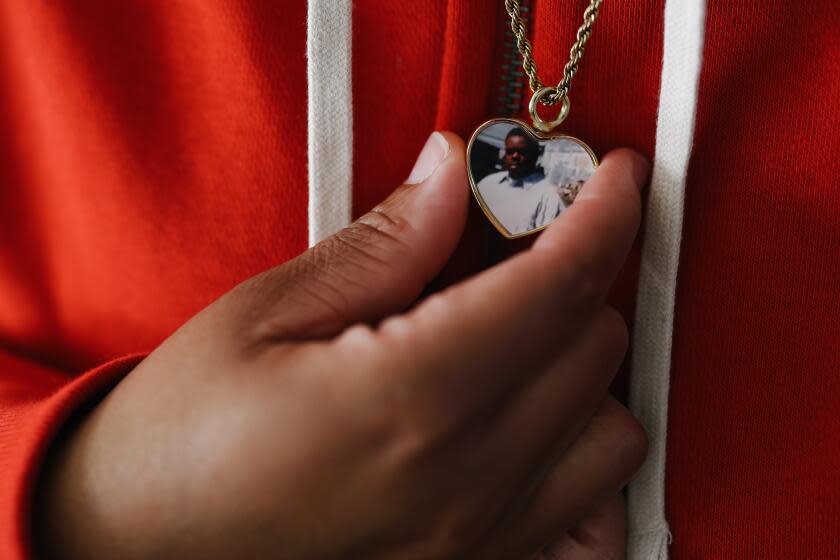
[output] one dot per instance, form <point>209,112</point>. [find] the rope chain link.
<point>575,54</point>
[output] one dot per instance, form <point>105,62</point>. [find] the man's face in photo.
<point>520,157</point>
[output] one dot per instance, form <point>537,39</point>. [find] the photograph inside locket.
<point>524,182</point>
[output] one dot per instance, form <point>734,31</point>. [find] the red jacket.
<point>154,154</point>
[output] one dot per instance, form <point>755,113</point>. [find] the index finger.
<point>484,336</point>
<point>596,232</point>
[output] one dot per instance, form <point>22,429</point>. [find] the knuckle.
<point>422,431</point>
<point>630,440</point>
<point>616,332</point>
<point>357,340</point>
<point>436,308</point>
<point>419,425</point>
<point>463,525</point>
<point>288,302</point>
<point>575,275</point>
<point>391,403</point>
<point>585,291</point>
<point>376,234</point>
<point>374,244</point>
<point>415,439</point>
<point>397,332</point>
<point>420,434</point>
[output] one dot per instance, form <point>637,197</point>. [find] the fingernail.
<point>430,157</point>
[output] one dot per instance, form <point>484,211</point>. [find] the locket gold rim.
<point>537,136</point>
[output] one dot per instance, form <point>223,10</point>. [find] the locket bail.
<point>539,123</point>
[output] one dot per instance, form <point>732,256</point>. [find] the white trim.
<point>648,534</point>
<point>330,116</point>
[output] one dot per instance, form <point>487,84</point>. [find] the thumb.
<point>378,265</point>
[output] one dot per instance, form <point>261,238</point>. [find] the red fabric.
<point>152,155</point>
<point>754,433</point>
<point>36,401</point>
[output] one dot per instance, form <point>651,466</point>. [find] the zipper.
<point>511,78</point>
<point>507,95</point>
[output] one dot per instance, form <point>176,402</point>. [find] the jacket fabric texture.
<point>154,154</point>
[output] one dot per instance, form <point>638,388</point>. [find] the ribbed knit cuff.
<point>32,411</point>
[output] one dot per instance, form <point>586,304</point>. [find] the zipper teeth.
<point>511,77</point>
<point>506,94</point>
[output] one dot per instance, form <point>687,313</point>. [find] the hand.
<point>307,414</point>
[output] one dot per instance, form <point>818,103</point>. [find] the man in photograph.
<point>519,197</point>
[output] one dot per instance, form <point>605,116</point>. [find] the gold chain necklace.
<point>551,95</point>
<point>522,178</point>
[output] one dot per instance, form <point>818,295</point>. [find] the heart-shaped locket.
<point>523,179</point>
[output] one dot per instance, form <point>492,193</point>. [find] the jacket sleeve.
<point>35,401</point>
